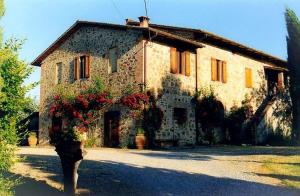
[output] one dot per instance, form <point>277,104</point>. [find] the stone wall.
<point>274,123</point>
<point>234,90</point>
<point>174,91</point>
<point>96,42</point>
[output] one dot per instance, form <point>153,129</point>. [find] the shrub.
<point>7,159</point>
<point>236,120</point>
<point>73,113</point>
<point>210,113</point>
<point>90,142</point>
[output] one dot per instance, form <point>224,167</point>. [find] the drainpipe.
<point>196,70</point>
<point>145,64</point>
<point>196,119</point>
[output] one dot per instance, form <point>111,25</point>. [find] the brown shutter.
<point>224,71</point>
<point>248,75</point>
<point>173,60</point>
<point>187,63</point>
<point>214,70</point>
<point>76,68</point>
<point>87,66</point>
<point>280,80</point>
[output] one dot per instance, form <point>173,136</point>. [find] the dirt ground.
<point>196,171</point>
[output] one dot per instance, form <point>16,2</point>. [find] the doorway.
<point>111,129</point>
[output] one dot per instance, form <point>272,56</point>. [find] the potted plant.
<point>136,102</point>
<point>140,139</point>
<point>32,139</point>
<point>71,152</point>
<point>72,115</point>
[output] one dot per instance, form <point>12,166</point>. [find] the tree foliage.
<point>14,104</point>
<point>293,47</point>
<point>209,112</point>
<point>1,14</point>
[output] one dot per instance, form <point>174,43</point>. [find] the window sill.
<point>177,74</point>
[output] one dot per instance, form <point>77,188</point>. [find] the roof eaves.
<point>173,36</point>
<point>70,31</point>
<point>78,23</point>
<point>225,40</point>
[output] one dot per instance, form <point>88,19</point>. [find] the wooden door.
<point>111,129</point>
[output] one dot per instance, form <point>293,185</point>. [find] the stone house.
<point>173,62</point>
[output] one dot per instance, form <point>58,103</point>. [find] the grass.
<point>284,168</point>
<point>282,163</point>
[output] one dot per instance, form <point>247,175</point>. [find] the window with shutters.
<point>248,78</point>
<point>82,67</point>
<point>58,73</point>
<point>180,61</point>
<point>113,60</point>
<point>218,70</point>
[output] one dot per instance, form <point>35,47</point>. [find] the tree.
<point>14,103</point>
<point>1,14</point>
<point>293,49</point>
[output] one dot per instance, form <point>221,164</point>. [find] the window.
<point>180,62</point>
<point>248,78</point>
<point>82,67</point>
<point>180,115</point>
<point>280,80</point>
<point>112,60</point>
<point>218,70</point>
<point>58,73</point>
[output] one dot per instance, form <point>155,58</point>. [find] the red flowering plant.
<point>72,115</point>
<point>134,101</point>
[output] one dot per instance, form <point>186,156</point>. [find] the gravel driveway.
<point>198,171</point>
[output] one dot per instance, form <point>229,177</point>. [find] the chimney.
<point>144,21</point>
<point>129,21</point>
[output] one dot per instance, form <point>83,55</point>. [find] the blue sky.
<point>256,23</point>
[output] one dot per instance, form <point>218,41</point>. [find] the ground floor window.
<point>180,115</point>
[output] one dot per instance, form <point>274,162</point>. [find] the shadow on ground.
<point>32,187</point>
<point>113,178</point>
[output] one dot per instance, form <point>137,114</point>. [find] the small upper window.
<point>112,60</point>
<point>82,67</point>
<point>58,73</point>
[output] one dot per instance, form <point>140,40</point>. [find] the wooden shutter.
<point>280,80</point>
<point>224,71</point>
<point>187,63</point>
<point>214,70</point>
<point>173,60</point>
<point>87,66</point>
<point>248,77</point>
<point>76,68</point>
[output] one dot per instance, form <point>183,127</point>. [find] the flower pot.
<point>71,154</point>
<point>140,141</point>
<point>32,141</point>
